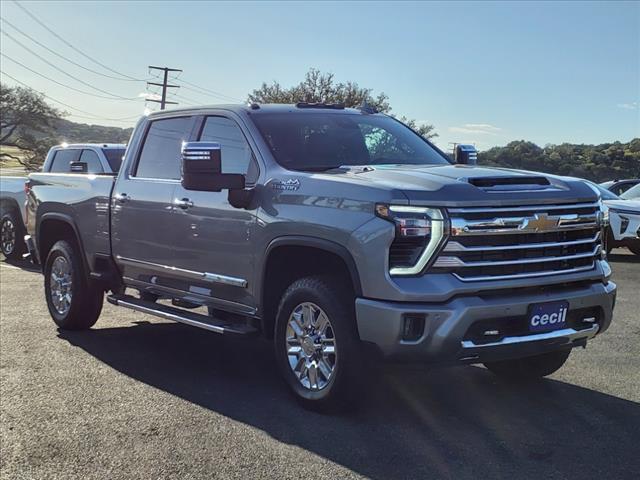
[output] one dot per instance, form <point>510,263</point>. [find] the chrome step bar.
<point>178,315</point>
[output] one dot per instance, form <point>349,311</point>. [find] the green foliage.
<point>594,162</point>
<point>318,87</point>
<point>26,119</point>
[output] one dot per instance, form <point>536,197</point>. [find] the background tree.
<point>599,163</point>
<point>26,123</point>
<point>322,87</point>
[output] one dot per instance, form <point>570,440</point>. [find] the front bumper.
<point>447,326</point>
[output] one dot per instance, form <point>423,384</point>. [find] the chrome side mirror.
<point>202,168</point>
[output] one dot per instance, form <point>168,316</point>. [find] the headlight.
<point>419,233</point>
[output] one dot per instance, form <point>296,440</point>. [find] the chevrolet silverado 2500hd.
<point>339,233</point>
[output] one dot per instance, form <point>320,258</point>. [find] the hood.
<point>629,205</point>
<point>455,185</point>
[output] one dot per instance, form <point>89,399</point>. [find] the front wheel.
<point>317,345</point>
<point>74,303</point>
<point>530,368</point>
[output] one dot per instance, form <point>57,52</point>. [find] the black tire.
<point>635,248</point>
<point>530,368</point>
<point>12,235</point>
<point>346,379</point>
<point>86,298</point>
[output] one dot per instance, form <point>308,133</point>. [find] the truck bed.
<point>80,197</point>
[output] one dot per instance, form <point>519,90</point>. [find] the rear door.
<point>143,219</point>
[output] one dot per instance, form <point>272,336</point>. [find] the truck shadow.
<point>21,264</point>
<point>614,257</point>
<point>460,422</point>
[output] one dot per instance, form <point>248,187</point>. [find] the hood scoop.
<point>509,184</point>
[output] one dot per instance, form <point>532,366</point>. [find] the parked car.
<point>340,234</point>
<point>12,223</point>
<point>618,187</point>
<point>76,158</point>
<point>624,219</point>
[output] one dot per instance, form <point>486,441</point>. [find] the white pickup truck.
<point>91,158</point>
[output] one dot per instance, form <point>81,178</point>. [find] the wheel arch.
<point>54,226</point>
<point>282,266</point>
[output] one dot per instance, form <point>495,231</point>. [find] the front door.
<point>143,215</point>
<point>214,238</point>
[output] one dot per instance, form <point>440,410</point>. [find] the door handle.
<point>183,203</point>
<point>122,198</point>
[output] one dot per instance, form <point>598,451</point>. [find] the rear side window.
<point>160,155</point>
<point>62,160</point>
<point>114,157</point>
<point>93,162</point>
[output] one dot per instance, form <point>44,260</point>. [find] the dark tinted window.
<point>93,162</point>
<point>62,159</point>
<point>235,151</point>
<point>160,156</point>
<point>321,140</point>
<point>114,157</point>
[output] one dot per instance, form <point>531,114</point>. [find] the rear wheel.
<point>11,235</point>
<point>73,301</point>
<point>530,368</point>
<point>317,345</point>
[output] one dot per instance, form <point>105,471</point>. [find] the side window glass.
<point>93,162</point>
<point>62,160</point>
<point>235,151</point>
<point>160,156</point>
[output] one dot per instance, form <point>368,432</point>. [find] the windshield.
<point>632,194</point>
<point>114,157</point>
<point>321,141</point>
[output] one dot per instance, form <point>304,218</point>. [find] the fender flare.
<point>321,244</point>
<point>61,217</point>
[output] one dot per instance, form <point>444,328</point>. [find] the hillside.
<point>72,132</point>
<point>594,162</point>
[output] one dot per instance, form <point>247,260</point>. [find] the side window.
<point>62,160</point>
<point>93,162</point>
<point>160,156</point>
<point>235,151</point>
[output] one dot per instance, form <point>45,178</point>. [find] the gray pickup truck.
<point>340,234</point>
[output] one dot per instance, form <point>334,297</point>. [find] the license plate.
<point>545,317</point>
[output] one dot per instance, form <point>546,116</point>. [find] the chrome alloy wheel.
<point>7,236</point>
<point>311,346</point>
<point>61,285</point>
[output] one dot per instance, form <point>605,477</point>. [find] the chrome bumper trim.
<point>566,333</point>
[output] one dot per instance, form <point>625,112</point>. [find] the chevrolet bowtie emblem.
<point>540,222</point>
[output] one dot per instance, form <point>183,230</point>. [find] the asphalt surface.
<point>141,398</point>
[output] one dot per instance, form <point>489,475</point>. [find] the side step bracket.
<point>178,315</point>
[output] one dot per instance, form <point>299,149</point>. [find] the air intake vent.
<point>489,182</point>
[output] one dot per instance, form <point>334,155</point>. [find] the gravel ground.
<point>141,398</point>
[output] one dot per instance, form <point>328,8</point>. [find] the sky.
<point>480,72</point>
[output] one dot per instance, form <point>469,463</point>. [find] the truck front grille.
<point>519,242</point>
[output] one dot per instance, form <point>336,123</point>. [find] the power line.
<point>43,25</point>
<point>114,95</point>
<point>209,92</point>
<point>55,81</point>
<point>66,104</point>
<point>63,57</point>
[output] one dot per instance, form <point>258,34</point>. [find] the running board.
<point>182,316</point>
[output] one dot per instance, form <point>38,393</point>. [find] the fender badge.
<point>292,184</point>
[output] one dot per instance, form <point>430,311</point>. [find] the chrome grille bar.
<point>537,241</point>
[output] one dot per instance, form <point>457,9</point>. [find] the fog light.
<point>413,327</point>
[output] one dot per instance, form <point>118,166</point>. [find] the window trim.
<point>133,169</point>
<point>55,154</point>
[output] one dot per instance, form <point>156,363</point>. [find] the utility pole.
<point>163,101</point>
